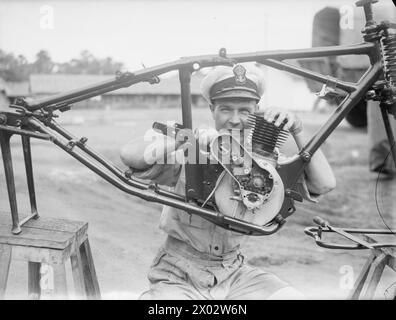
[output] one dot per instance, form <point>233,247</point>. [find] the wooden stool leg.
<point>374,276</point>
<point>78,276</point>
<point>60,285</point>
<point>5,260</point>
<point>357,289</point>
<point>91,281</point>
<point>34,290</point>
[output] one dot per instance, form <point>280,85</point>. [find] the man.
<point>199,259</point>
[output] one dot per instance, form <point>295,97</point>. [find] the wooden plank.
<point>5,260</point>
<point>77,271</point>
<point>392,263</point>
<point>37,238</point>
<point>374,276</point>
<point>390,251</point>
<point>60,283</point>
<point>63,225</point>
<point>46,223</point>
<point>90,278</point>
<point>34,289</point>
<point>23,253</point>
<point>43,255</point>
<point>359,283</point>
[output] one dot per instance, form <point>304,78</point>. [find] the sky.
<point>153,31</point>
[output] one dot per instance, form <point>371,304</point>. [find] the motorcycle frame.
<point>35,119</point>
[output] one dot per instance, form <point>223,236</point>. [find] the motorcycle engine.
<point>254,186</point>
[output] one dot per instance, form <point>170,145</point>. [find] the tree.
<point>88,64</point>
<point>19,69</point>
<point>43,63</point>
<point>13,68</point>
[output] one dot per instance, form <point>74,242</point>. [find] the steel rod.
<point>24,132</point>
<point>203,61</point>
<point>331,81</point>
<point>27,154</point>
<point>389,132</point>
<point>150,195</point>
<point>108,165</point>
<point>342,110</point>
<point>10,180</point>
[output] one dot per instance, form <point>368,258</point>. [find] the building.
<point>4,92</point>
<point>142,95</point>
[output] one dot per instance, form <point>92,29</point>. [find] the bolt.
<point>191,193</point>
<point>83,140</point>
<point>128,174</point>
<point>3,119</point>
<point>370,94</point>
<point>306,156</point>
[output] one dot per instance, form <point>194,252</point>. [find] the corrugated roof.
<point>42,84</point>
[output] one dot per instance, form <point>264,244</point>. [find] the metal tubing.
<point>204,61</point>
<point>152,192</point>
<point>108,165</point>
<point>351,237</point>
<point>24,132</point>
<point>389,132</point>
<point>362,48</point>
<point>316,232</point>
<point>27,218</point>
<point>105,86</point>
<point>150,195</point>
<point>185,79</point>
<point>9,174</point>
<point>27,154</point>
<point>342,110</point>
<point>348,87</point>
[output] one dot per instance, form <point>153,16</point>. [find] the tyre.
<point>357,117</point>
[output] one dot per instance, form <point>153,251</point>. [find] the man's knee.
<point>287,293</point>
<point>170,292</point>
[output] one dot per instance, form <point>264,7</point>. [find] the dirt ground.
<point>123,230</point>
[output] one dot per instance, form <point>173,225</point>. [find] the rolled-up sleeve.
<point>163,174</point>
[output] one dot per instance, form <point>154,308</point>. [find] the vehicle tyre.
<point>357,117</point>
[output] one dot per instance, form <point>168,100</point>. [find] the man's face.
<point>232,113</point>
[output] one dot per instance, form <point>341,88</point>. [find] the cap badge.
<point>240,74</point>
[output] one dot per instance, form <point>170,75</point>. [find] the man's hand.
<point>293,124</point>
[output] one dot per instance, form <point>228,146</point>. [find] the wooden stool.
<point>367,282</point>
<point>50,241</point>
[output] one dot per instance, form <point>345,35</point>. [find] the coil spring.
<point>389,57</point>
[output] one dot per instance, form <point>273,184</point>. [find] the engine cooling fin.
<point>265,135</point>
